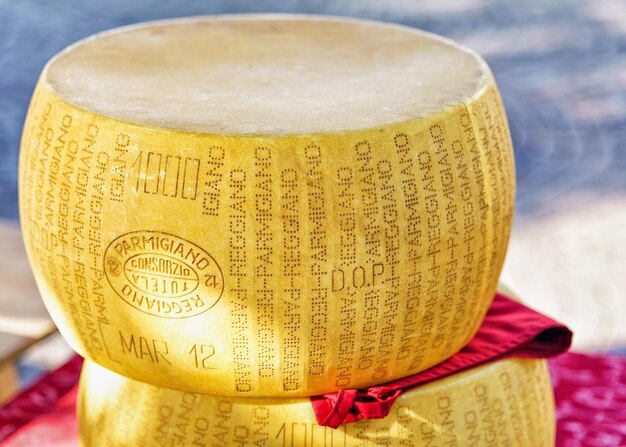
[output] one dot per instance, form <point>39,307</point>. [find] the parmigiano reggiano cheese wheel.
<point>266,205</point>
<point>505,403</point>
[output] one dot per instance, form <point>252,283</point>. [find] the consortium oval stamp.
<point>162,274</point>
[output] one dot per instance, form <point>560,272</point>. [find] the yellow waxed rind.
<point>327,261</point>
<point>506,403</point>
<point>274,265</point>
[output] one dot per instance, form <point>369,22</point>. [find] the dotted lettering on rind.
<point>240,296</point>
<point>264,260</point>
<point>394,236</point>
<point>318,245</point>
<point>291,186</point>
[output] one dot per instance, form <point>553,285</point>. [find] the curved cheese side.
<point>284,263</point>
<point>506,403</point>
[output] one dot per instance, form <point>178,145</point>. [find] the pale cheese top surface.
<point>265,74</point>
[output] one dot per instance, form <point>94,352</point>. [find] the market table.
<point>24,320</point>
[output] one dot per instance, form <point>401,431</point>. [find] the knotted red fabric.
<point>510,329</point>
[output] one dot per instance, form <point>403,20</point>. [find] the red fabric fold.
<point>510,329</point>
<point>40,398</point>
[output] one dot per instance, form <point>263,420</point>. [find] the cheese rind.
<point>509,402</point>
<point>285,264</point>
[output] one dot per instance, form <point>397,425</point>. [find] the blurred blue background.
<point>561,68</point>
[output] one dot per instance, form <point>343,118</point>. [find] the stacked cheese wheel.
<point>504,403</point>
<point>266,206</point>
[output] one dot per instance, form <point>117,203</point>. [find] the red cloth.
<point>41,398</point>
<point>57,427</point>
<point>590,393</point>
<point>510,329</point>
